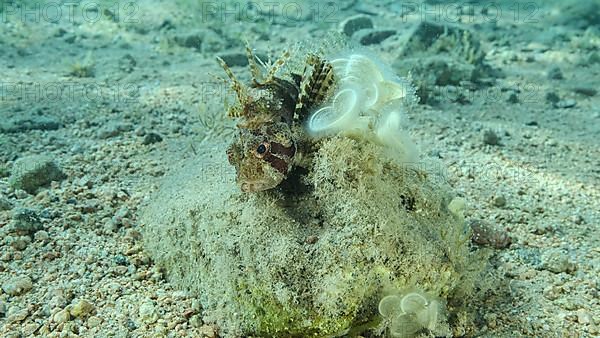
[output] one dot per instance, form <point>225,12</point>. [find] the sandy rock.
<point>269,243</point>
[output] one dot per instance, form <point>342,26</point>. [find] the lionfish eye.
<point>262,149</point>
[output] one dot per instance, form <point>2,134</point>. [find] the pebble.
<point>70,38</point>
<point>20,242</point>
<point>151,138</point>
<point>542,229</point>
<point>491,138</point>
<point>593,58</point>
<point>552,292</point>
<point>485,234</point>
<point>569,103</point>
<point>30,329</point>
<point>312,239</point>
<point>127,63</point>
<point>355,23</point>
<point>148,313</point>
<point>5,204</point>
<point>208,331</point>
<point>583,316</point>
<point>457,206</point>
<point>6,256</point>
<point>557,262</point>
<point>17,286</point>
<point>555,74</point>
<point>196,306</point>
<point>139,276</point>
<point>120,270</point>
<point>25,221</point>
<point>368,37</point>
<point>62,316</point>
<point>33,172</point>
<point>81,308</point>
<point>21,194</point>
<point>577,219</point>
<point>195,321</point>
<point>499,201</point>
<point>16,314</point>
<point>114,129</point>
<point>552,97</point>
<point>41,236</point>
<point>587,91</point>
<point>120,259</point>
<point>111,225</point>
<point>94,321</point>
<point>205,40</point>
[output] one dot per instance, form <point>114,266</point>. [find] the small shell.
<point>485,234</point>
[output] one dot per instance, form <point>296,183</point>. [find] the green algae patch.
<point>315,257</point>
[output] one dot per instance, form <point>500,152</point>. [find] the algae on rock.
<point>313,257</point>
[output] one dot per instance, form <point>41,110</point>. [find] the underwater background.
<point>120,215</point>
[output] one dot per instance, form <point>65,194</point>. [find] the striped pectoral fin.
<point>301,104</point>
<point>305,86</point>
<point>323,84</point>
<point>316,81</point>
<point>234,112</point>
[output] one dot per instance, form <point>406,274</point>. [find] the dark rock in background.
<point>18,125</point>
<point>355,23</point>
<point>33,172</point>
<point>373,36</point>
<point>440,55</point>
